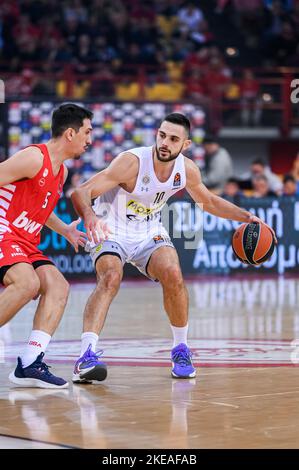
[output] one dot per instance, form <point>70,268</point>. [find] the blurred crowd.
<point>219,175</point>
<point>187,47</point>
<point>259,182</point>
<point>156,50</point>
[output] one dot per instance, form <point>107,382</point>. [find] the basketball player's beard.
<point>169,159</point>
<point>78,156</point>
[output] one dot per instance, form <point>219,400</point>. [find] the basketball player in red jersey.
<point>31,183</point>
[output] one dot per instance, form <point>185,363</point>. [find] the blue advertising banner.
<point>212,253</point>
<point>202,240</point>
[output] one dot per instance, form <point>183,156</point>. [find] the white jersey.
<point>135,215</point>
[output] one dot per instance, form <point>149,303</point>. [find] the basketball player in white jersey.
<point>124,226</point>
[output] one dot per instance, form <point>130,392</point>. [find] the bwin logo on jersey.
<point>27,224</point>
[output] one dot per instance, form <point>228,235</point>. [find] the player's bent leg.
<point>109,275</point>
<point>53,290</point>
<point>109,272</point>
<point>21,285</point>
<point>164,266</point>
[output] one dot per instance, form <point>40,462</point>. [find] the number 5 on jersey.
<point>46,200</point>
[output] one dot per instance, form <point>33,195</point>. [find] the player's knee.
<point>55,285</point>
<point>171,276</point>
<point>29,287</point>
<point>111,280</point>
<point>63,289</point>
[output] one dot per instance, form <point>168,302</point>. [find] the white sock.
<point>179,335</point>
<point>38,342</point>
<point>86,339</point>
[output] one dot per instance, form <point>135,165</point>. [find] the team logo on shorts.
<point>99,247</point>
<point>18,251</point>
<point>176,180</point>
<point>42,182</point>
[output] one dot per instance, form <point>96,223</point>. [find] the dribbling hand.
<point>256,220</point>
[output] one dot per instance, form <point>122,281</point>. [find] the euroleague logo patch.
<point>160,239</point>
<point>176,180</point>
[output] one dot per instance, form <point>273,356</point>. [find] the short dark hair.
<point>258,161</point>
<point>180,119</point>
<point>68,115</point>
<point>210,139</point>
<point>288,178</point>
<point>233,180</point>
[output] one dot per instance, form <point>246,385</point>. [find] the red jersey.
<point>25,205</point>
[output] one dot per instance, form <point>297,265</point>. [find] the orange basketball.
<point>253,243</point>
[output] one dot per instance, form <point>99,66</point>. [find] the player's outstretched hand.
<point>256,220</point>
<point>103,230</point>
<point>74,236</point>
<point>96,229</point>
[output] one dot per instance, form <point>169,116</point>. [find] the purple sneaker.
<point>182,367</point>
<point>36,375</point>
<point>89,367</point>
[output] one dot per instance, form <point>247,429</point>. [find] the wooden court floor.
<point>246,394</point>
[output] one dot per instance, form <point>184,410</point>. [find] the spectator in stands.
<point>85,55</point>
<point>218,165</point>
<point>190,17</point>
<point>167,19</point>
<point>283,45</point>
<point>217,76</point>
<point>274,17</point>
<point>58,51</point>
<point>75,11</point>
<point>259,168</point>
<point>103,51</point>
<point>290,186</point>
<point>232,190</point>
<point>22,84</point>
<point>295,170</point>
<point>251,106</point>
<point>196,88</point>
<point>261,187</point>
<point>202,34</point>
<point>197,59</point>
